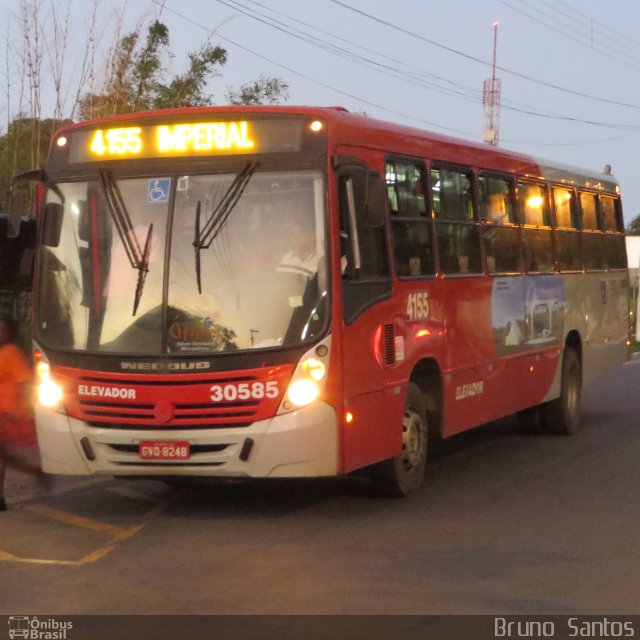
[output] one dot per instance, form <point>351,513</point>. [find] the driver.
<point>301,266</point>
<point>303,258</point>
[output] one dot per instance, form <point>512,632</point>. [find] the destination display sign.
<point>184,139</point>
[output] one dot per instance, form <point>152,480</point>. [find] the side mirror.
<point>14,222</point>
<point>15,209</point>
<point>52,224</point>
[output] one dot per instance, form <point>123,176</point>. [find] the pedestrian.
<point>17,427</point>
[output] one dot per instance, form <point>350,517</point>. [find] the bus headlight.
<point>308,379</point>
<point>314,368</point>
<point>43,371</point>
<point>49,393</point>
<point>303,392</point>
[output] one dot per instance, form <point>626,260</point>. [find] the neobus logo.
<point>165,366</point>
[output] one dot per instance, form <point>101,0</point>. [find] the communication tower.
<point>491,99</point>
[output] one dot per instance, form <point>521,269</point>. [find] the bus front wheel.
<point>562,415</point>
<point>403,474</point>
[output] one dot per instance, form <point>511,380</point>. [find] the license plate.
<point>164,450</point>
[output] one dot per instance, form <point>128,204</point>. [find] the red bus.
<point>302,292</point>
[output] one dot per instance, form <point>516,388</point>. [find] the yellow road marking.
<point>116,533</point>
<point>92,557</point>
<point>96,555</point>
<point>74,520</point>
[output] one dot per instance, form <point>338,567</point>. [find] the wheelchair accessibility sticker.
<point>158,189</point>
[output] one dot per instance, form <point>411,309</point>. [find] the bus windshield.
<point>187,264</point>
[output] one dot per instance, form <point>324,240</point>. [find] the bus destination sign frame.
<point>215,137</point>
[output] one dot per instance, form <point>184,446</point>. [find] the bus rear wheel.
<point>562,415</point>
<point>404,474</point>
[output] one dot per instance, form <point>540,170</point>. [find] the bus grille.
<point>152,426</point>
<point>185,415</point>
<point>169,401</point>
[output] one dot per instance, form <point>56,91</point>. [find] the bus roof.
<point>361,130</point>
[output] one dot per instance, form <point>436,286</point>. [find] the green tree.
<point>633,228</point>
<point>137,78</point>
<point>23,147</point>
<point>260,91</point>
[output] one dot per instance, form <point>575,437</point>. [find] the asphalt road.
<point>507,523</point>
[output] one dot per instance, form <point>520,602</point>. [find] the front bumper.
<point>303,443</point>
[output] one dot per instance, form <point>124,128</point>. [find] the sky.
<point>569,69</point>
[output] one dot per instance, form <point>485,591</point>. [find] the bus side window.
<point>589,211</point>
<point>411,227</point>
<point>608,211</point>
<point>567,232</point>
<point>457,228</point>
<point>614,242</point>
<point>371,239</point>
<point>592,239</point>
<point>533,210</point>
<point>500,232</point>
<point>369,282</point>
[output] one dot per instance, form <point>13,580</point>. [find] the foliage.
<point>260,91</point>
<point>22,148</point>
<point>137,78</point>
<point>633,228</point>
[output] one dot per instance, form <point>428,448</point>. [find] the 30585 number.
<point>244,391</point>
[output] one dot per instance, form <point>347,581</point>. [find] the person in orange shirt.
<point>16,414</point>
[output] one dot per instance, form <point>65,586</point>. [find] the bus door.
<point>366,289</point>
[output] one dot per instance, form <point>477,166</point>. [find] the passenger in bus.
<point>497,208</point>
<point>17,428</point>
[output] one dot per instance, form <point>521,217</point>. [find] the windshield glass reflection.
<point>257,279</point>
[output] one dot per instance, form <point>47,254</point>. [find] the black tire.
<point>562,415</point>
<point>402,475</point>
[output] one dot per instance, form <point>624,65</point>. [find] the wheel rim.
<point>414,433</point>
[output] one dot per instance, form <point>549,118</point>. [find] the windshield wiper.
<point>137,256</point>
<point>143,269</point>
<point>203,237</point>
